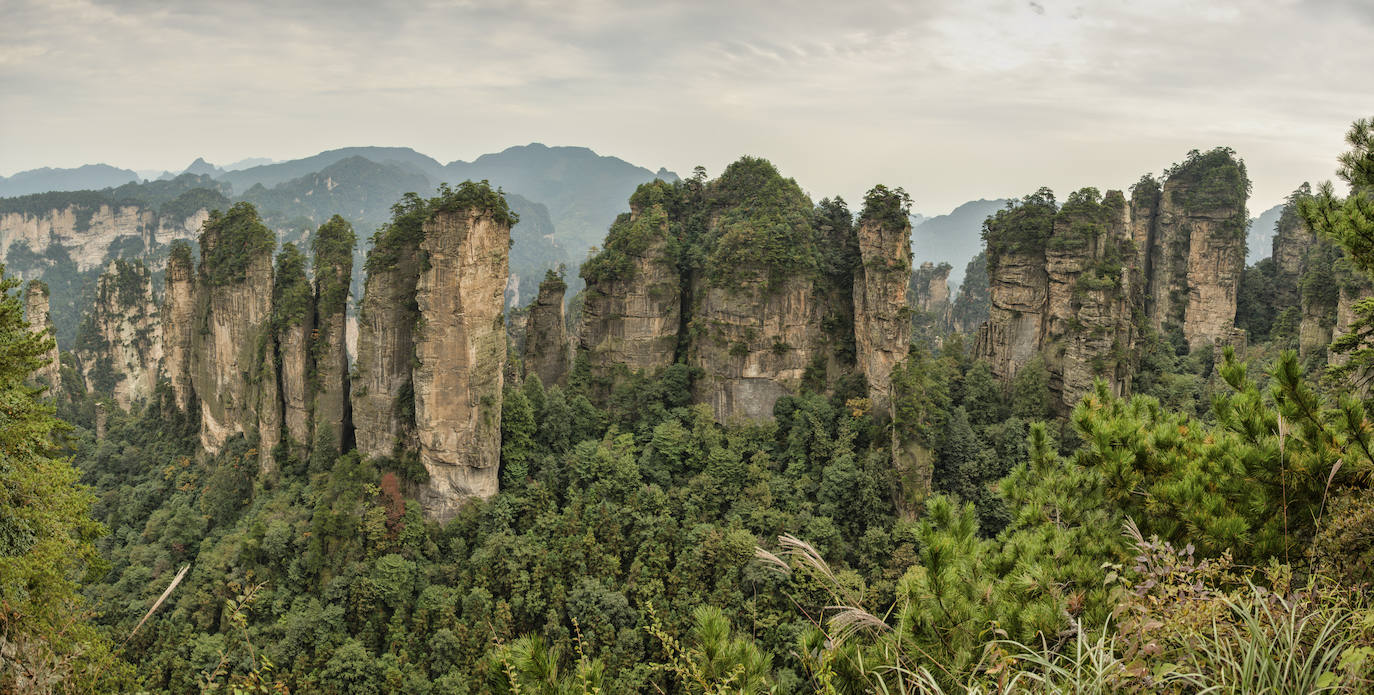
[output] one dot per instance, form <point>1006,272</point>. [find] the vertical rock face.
<point>1200,235</point>
<point>294,317</point>
<point>756,318</point>
<point>753,344</point>
<point>460,352</point>
<point>119,346</point>
<point>1070,282</point>
<point>882,324</point>
<point>546,336</point>
<point>930,288</point>
<point>269,411</point>
<point>178,309</point>
<point>1061,287</point>
<point>382,394</point>
<point>1293,240</point>
<point>1018,283</point>
<point>231,327</point>
<point>333,246</point>
<point>36,313</point>
<point>632,307</point>
<point>1091,297</point>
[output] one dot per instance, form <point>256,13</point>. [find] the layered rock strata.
<point>178,310</point>
<point>632,307</point>
<point>333,247</point>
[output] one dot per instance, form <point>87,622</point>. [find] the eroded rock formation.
<point>882,323</point>
<point>231,325</point>
<point>178,310</point>
<point>632,307</point>
<point>119,344</point>
<point>36,313</point>
<point>383,395</point>
<point>1076,283</point>
<point>546,336</point>
<point>333,247</point>
<point>1061,287</point>
<point>460,353</point>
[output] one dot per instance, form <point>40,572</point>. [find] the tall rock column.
<point>1018,283</point>
<point>178,307</point>
<point>1199,250</point>
<point>632,308</point>
<point>333,247</point>
<point>119,345</point>
<point>36,312</point>
<point>383,396</point>
<point>294,319</point>
<point>1091,296</point>
<point>460,347</point>
<point>546,335</point>
<point>882,323</point>
<point>232,323</point>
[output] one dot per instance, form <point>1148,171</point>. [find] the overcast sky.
<point>951,100</point>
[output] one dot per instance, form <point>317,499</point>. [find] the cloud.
<point>951,100</point>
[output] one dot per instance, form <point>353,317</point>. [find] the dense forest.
<point>1205,526</point>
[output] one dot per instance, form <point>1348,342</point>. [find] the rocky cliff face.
<point>753,344</point>
<point>758,291</point>
<point>1061,286</point>
<point>383,394</point>
<point>460,352</point>
<point>930,288</point>
<point>632,307</point>
<point>546,337</point>
<point>1293,240</point>
<point>1018,284</point>
<point>1198,247</point>
<point>333,246</point>
<point>178,310</point>
<point>1068,282</point>
<point>882,321</point>
<point>36,313</point>
<point>231,328</point>
<point>1091,297</point>
<point>120,343</point>
<point>294,319</point>
<point>88,232</point>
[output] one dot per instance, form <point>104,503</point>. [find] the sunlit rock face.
<point>460,354</point>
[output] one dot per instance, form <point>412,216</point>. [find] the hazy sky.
<point>952,100</point>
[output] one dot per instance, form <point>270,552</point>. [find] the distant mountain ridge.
<point>82,178</point>
<point>954,238</point>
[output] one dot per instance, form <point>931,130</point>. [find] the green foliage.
<point>1214,181</point>
<point>1023,228</point>
<point>231,241</point>
<point>888,207</point>
<point>1349,222</point>
<point>479,198</point>
<point>333,251</point>
<point>46,533</point>
<point>291,300</point>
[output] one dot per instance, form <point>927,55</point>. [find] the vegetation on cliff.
<point>333,251</point>
<point>229,243</point>
<point>1208,534</point>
